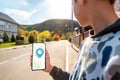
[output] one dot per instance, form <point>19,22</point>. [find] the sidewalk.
<point>72,54</point>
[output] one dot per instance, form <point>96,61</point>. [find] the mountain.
<point>56,25</point>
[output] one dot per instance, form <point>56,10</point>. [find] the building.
<point>8,25</point>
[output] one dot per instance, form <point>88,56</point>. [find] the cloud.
<point>20,15</point>
<point>59,8</point>
<point>25,13</point>
<point>13,3</point>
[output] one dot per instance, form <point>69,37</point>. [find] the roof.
<point>7,18</point>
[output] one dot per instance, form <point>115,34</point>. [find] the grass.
<point>10,44</point>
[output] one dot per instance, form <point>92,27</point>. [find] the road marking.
<point>20,56</point>
<point>66,69</point>
<point>15,58</point>
<point>12,48</point>
<point>4,62</point>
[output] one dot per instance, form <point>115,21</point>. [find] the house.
<point>8,25</point>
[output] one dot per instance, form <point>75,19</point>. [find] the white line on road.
<point>67,57</point>
<point>4,62</point>
<point>20,56</point>
<point>15,58</point>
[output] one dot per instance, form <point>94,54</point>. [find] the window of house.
<point>2,23</point>
<point>8,25</point>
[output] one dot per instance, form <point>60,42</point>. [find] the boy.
<point>99,56</point>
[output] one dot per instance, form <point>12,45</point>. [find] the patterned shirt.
<point>99,56</point>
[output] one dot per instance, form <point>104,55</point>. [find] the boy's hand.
<point>48,64</point>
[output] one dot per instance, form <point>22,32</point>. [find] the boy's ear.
<point>82,1</point>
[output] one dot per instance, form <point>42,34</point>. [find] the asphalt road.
<point>14,62</point>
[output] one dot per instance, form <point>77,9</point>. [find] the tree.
<point>20,32</point>
<point>23,33</point>
<point>34,33</point>
<point>13,38</point>
<point>26,35</point>
<point>63,37</point>
<point>31,38</point>
<point>54,37</point>
<point>5,37</point>
<point>44,36</point>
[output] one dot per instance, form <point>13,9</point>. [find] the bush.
<point>53,37</point>
<point>63,37</point>
<point>43,40</point>
<point>31,38</point>
<point>47,39</point>
<point>44,36</point>
<point>13,38</point>
<point>5,37</point>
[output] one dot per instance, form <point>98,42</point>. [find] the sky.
<point>36,11</point>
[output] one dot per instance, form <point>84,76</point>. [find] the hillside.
<point>56,25</point>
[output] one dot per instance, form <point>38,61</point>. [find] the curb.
<point>15,47</point>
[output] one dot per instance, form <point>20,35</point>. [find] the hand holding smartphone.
<point>38,56</point>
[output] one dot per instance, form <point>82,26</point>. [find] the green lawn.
<point>10,44</point>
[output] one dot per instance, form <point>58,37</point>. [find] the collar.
<point>112,28</point>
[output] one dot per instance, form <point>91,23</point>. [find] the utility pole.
<point>71,19</point>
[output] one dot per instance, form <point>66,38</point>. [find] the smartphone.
<point>38,56</point>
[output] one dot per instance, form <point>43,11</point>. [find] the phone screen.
<point>38,55</point>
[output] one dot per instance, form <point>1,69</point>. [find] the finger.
<point>30,60</point>
<point>47,55</point>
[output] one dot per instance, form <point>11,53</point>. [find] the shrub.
<point>5,37</point>
<point>44,36</point>
<point>63,37</point>
<point>53,37</point>
<point>47,39</point>
<point>31,38</point>
<point>13,38</point>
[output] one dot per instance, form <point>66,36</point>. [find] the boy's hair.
<point>111,1</point>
